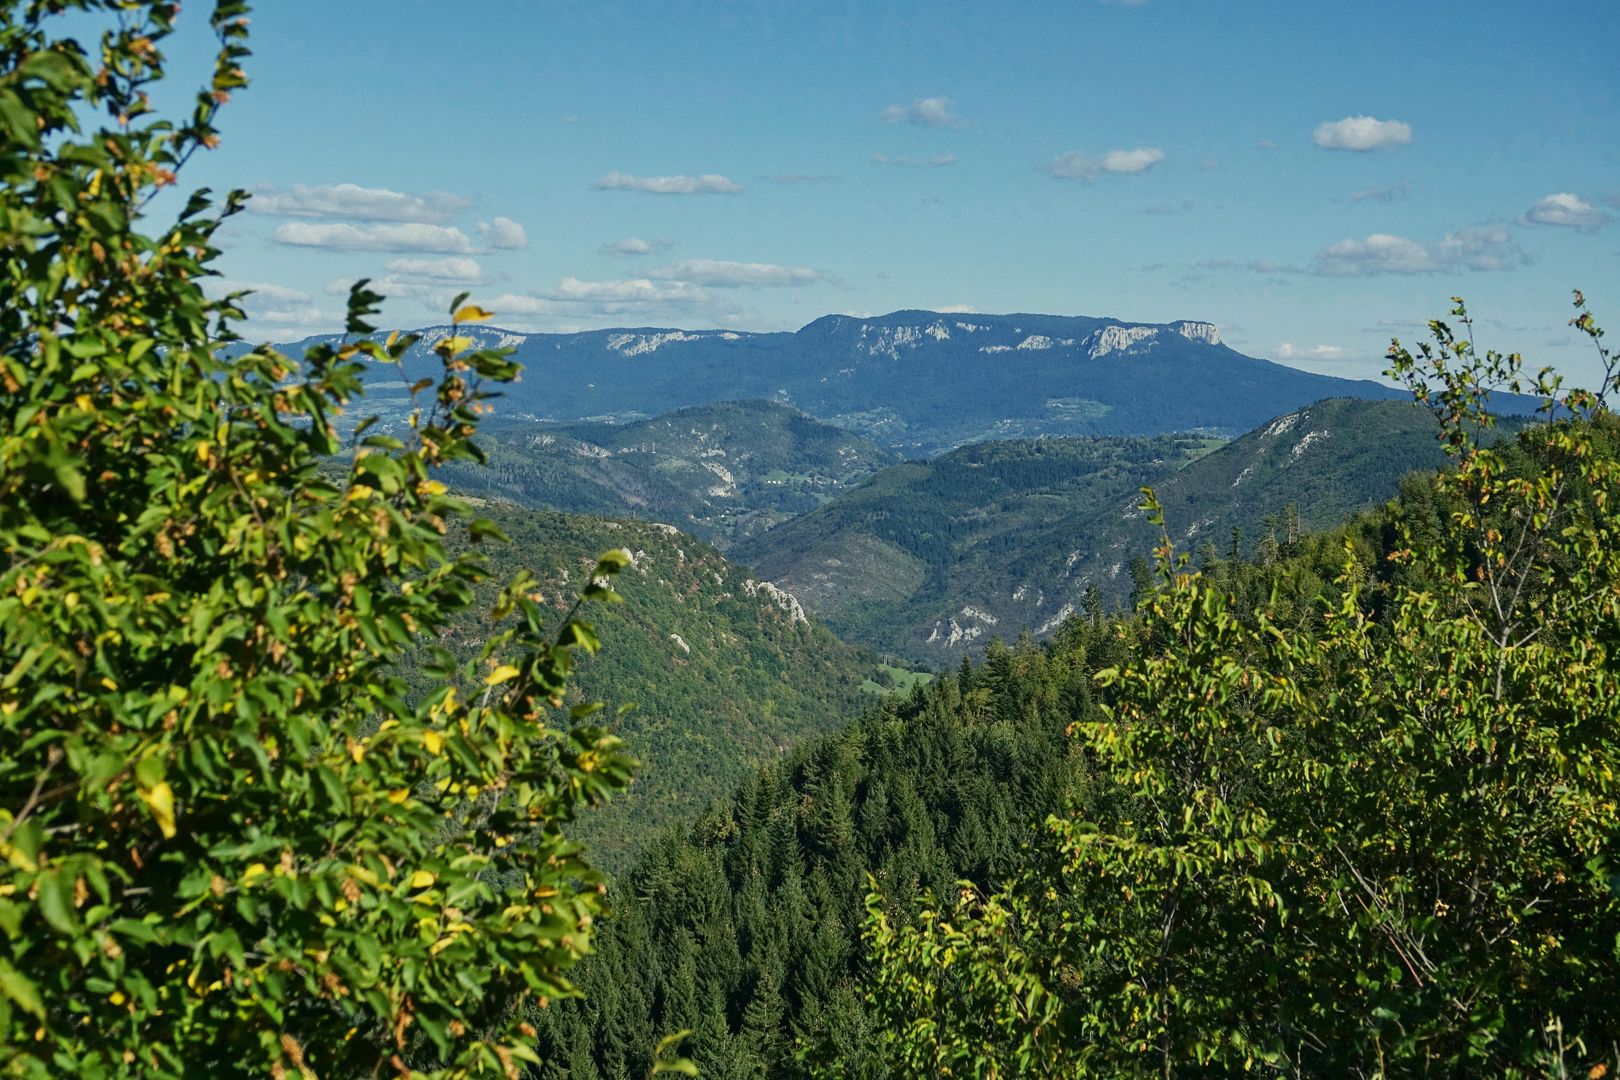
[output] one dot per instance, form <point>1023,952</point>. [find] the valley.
<point>633,672</point>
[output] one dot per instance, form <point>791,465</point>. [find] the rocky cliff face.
<point>918,382</point>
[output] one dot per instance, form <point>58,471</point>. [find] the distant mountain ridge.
<point>917,382</point>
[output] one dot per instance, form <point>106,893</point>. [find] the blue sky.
<point>1311,177</point>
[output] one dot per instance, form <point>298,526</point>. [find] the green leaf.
<point>55,899</point>
<point>22,990</point>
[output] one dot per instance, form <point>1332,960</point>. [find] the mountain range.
<point>916,382</point>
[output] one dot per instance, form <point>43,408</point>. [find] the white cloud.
<point>1483,247</point>
<point>1289,351</point>
<point>956,309</point>
<point>1361,133</point>
<point>924,112</point>
<point>1567,210</point>
<point>577,304</point>
<point>1473,248</point>
<point>1379,253</point>
<point>629,290</point>
<point>1074,165</point>
<point>401,286</point>
<point>503,234</point>
<point>908,162</point>
<point>632,246</point>
<point>1399,191</point>
<point>354,201</point>
<point>707,184</point>
<point>303,316</point>
<point>262,290</point>
<point>454,270</point>
<point>401,237</point>
<point>722,274</point>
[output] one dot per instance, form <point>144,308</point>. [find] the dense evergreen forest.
<point>765,926</point>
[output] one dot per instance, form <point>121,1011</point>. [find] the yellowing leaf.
<point>204,451</point>
<point>399,795</point>
<point>159,799</point>
<point>454,345</point>
<point>433,741</point>
<point>258,869</point>
<point>472,313</point>
<point>501,674</point>
<point>421,879</point>
<point>434,487</point>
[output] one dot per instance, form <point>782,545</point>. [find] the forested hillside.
<point>745,926</point>
<point>724,672</point>
<point>937,558</point>
<point>911,555</point>
<point>723,472</point>
<point>753,926</point>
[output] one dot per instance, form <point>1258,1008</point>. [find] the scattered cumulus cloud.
<point>503,234</point>
<point>359,203</point>
<point>457,270</point>
<point>1567,210</point>
<point>299,316</point>
<point>1480,247</point>
<point>582,303</point>
<point>629,290</point>
<point>722,274</point>
<point>404,236</point>
<point>1399,191</point>
<point>1474,248</point>
<point>1289,351</point>
<point>706,184</point>
<point>261,290</point>
<point>1361,133</point>
<point>956,309</point>
<point>924,112</point>
<point>1074,165</point>
<point>1266,144</point>
<point>906,161</point>
<point>632,246</point>
<point>1380,253</point>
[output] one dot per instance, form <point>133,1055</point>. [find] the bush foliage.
<point>1378,840</point>
<point>229,844</point>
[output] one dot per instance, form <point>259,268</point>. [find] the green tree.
<point>1378,841</point>
<point>229,842</point>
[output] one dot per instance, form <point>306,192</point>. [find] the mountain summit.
<point>919,382</point>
